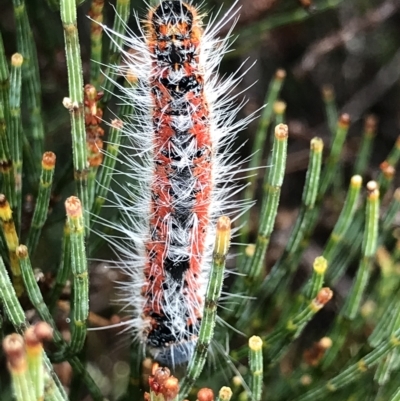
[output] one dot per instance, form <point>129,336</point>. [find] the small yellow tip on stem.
<point>22,252</point>
<point>250,249</point>
<point>320,265</point>
<point>255,343</point>
<point>281,132</point>
<point>356,181</point>
<point>279,107</point>
<point>317,145</point>
<point>223,236</point>
<point>372,190</point>
<point>325,342</point>
<point>17,60</point>
<point>225,394</point>
<point>5,209</point>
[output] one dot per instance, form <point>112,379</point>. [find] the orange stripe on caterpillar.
<point>182,182</point>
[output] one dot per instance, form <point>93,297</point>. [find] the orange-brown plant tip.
<point>344,120</point>
<point>73,207</point>
<point>31,339</point>
<point>370,124</point>
<point>324,296</point>
<point>90,91</point>
<point>161,375</point>
<point>48,160</point>
<point>387,170</point>
<point>328,92</point>
<point>22,251</point>
<point>281,131</point>
<point>396,194</point>
<point>170,388</point>
<point>117,124</point>
<point>280,74</point>
<point>3,200</point>
<point>224,223</point>
<point>43,331</point>
<point>13,344</point>
<point>205,394</point>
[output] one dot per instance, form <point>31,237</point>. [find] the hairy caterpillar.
<point>182,131</point>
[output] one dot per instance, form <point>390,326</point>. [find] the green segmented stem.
<point>350,308</point>
<point>114,54</point>
<point>287,261</point>
<point>260,142</point>
<point>386,366</point>
<point>328,96</point>
<point>42,202</point>
<point>36,298</point>
<point>80,273</point>
<point>332,162</point>
<point>6,166</point>
<point>272,190</point>
<point>213,293</point>
<point>110,160</point>
<point>369,246</point>
<point>17,318</point>
<point>4,83</point>
<point>316,281</point>
<point>34,337</point>
<point>338,234</point>
<point>279,111</point>
<point>256,367</point>
<point>30,76</point>
<point>391,213</point>
<point>64,269</point>
<point>386,323</point>
<point>14,349</point>
<point>10,301</point>
<point>394,155</point>
<point>364,153</point>
<point>354,371</point>
<point>395,396</point>
<point>75,102</point>
<point>34,293</point>
<point>96,36</point>
<point>11,238</point>
<point>15,132</point>
<point>277,342</point>
<point>388,168</point>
